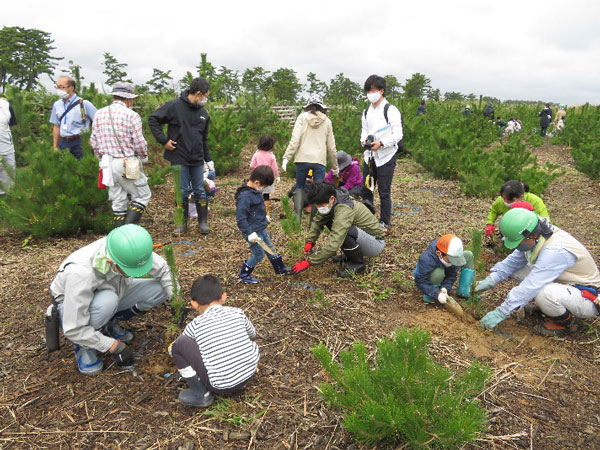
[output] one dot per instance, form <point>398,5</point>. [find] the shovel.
<point>265,247</point>
<point>453,306</point>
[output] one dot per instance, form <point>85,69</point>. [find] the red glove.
<point>489,229</point>
<point>307,248</point>
<point>300,266</point>
<point>100,183</point>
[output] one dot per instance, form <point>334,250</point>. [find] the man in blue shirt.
<point>556,272</point>
<point>70,115</point>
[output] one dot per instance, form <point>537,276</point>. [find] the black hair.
<point>513,189</point>
<point>320,192</point>
<point>199,85</point>
<point>264,175</point>
<point>314,108</point>
<point>206,289</point>
<point>266,142</point>
<point>375,81</point>
<point>422,102</point>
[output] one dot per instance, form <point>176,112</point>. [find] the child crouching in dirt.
<point>350,176</point>
<point>438,266</point>
<point>216,352</point>
<point>251,216</point>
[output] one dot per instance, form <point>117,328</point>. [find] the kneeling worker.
<point>556,271</point>
<point>352,227</point>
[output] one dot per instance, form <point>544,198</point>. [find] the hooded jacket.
<point>545,117</point>
<point>428,262</point>
<point>351,175</point>
<point>344,213</point>
<point>250,211</point>
<point>312,140</point>
<point>78,280</point>
<point>187,126</point>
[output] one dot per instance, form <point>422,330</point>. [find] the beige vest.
<point>584,271</point>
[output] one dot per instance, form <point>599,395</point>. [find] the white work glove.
<point>335,172</point>
<point>253,237</point>
<point>443,297</point>
<point>284,164</point>
<point>211,165</point>
<point>487,283</point>
<point>278,180</point>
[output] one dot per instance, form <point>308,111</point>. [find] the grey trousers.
<point>6,180</point>
<point>369,245</point>
<point>144,294</point>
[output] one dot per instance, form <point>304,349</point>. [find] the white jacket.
<point>77,281</point>
<point>6,142</point>
<point>312,140</point>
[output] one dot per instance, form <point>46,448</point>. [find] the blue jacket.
<point>428,262</point>
<point>250,211</point>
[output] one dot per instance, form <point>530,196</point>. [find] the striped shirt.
<point>224,336</point>
<point>128,126</point>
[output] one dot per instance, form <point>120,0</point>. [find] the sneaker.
<point>116,331</point>
<point>386,228</point>
<point>87,360</point>
<point>249,280</point>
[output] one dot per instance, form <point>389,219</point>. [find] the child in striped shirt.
<point>216,352</point>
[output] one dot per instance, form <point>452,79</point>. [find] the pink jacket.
<point>351,175</point>
<point>265,158</point>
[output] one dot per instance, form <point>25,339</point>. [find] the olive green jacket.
<point>345,213</point>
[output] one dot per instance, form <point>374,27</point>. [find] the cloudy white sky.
<point>511,50</point>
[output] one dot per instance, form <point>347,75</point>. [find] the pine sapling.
<point>178,216</point>
<point>292,228</point>
<point>177,301</point>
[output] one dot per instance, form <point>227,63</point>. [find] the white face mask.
<point>446,264</point>
<point>62,94</point>
<point>324,209</point>
<point>374,96</point>
<point>202,102</point>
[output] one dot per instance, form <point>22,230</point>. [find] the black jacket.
<point>489,112</point>
<point>187,125</point>
<point>250,211</point>
<point>545,117</point>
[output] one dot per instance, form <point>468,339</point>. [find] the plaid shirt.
<point>128,125</point>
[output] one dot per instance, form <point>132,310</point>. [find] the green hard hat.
<point>130,248</point>
<point>516,225</point>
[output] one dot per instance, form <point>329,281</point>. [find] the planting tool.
<point>265,247</point>
<point>453,306</point>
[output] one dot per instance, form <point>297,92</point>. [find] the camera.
<point>369,142</point>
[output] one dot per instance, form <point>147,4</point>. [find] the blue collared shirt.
<point>550,264</point>
<point>72,124</point>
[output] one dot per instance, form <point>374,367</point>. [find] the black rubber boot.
<point>134,213</point>
<point>355,264</point>
<point>202,207</point>
<point>196,395</point>
<point>185,205</point>
<point>279,266</point>
<point>557,325</point>
<point>119,218</point>
<point>339,258</point>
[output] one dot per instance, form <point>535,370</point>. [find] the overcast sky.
<point>511,50</point>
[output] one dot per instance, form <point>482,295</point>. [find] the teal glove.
<point>493,318</point>
<point>486,283</point>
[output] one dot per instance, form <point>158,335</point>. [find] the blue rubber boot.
<point>87,360</point>
<point>428,299</point>
<point>245,275</point>
<point>464,283</point>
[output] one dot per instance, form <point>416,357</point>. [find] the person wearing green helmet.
<point>95,288</point>
<point>556,272</point>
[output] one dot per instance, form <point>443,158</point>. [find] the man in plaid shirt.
<point>116,137</point>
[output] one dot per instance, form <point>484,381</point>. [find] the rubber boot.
<point>464,282</point>
<point>428,299</point>
<point>557,326</point>
<point>185,205</point>
<point>355,264</point>
<point>88,361</point>
<point>196,395</point>
<point>202,207</point>
<point>119,218</point>
<point>298,203</point>
<point>134,213</point>
<point>245,275</point>
<point>279,266</point>
<point>339,258</point>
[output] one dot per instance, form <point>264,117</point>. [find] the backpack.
<point>400,144</point>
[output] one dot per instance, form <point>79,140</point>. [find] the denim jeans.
<point>543,131</point>
<point>385,176</point>
<point>192,182</point>
<point>302,169</point>
<point>73,146</point>
<point>257,252</point>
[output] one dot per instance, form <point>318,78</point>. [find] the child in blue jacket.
<point>251,216</point>
<point>438,267</point>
